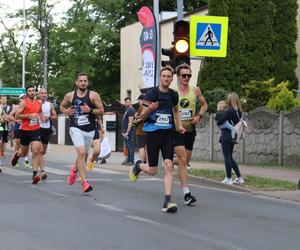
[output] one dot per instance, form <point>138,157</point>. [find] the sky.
<point>10,6</point>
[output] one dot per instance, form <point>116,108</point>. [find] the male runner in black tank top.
<point>82,105</point>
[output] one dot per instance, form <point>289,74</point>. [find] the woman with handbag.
<point>233,115</point>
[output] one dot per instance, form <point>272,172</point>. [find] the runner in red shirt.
<point>30,112</point>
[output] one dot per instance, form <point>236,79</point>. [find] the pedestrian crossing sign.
<point>208,36</point>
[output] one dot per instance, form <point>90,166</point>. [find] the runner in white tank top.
<point>45,126</point>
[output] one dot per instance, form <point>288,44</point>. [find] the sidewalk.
<point>66,154</point>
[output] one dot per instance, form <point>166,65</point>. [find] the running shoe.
<point>27,165</point>
<point>189,199</point>
<point>72,176</point>
<point>227,181</point>
<point>15,159</point>
<point>35,179</point>
<point>17,165</point>
<point>134,172</point>
<point>169,207</point>
<point>239,180</point>
<point>44,175</point>
<point>86,187</point>
<point>0,170</point>
<point>91,166</point>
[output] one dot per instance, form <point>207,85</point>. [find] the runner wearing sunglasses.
<point>188,98</point>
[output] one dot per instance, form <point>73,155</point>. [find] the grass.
<point>251,182</point>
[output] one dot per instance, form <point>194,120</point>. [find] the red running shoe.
<point>72,176</point>
<point>35,179</point>
<point>15,159</point>
<point>86,187</point>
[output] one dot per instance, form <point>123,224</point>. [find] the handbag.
<point>240,127</point>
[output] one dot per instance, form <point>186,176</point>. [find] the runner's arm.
<point>53,115</point>
<point>65,106</point>
<point>99,110</point>
<point>178,120</point>
<point>203,105</point>
<point>19,110</point>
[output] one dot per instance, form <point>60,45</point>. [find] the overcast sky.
<point>9,6</point>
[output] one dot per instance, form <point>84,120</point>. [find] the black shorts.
<point>161,139</point>
<point>97,135</point>
<point>28,136</point>
<point>45,135</point>
<point>141,141</point>
<point>17,134</point>
<point>4,136</point>
<point>187,140</point>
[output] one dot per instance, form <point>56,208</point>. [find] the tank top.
<point>187,109</point>
<point>46,108</point>
<point>83,121</point>
<point>31,107</point>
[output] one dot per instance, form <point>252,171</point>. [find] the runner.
<point>160,103</point>
<point>96,144</point>
<point>82,105</point>
<point>188,98</point>
<point>49,114</point>
<point>16,129</point>
<point>5,125</point>
<point>30,112</point>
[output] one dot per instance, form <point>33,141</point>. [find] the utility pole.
<point>23,47</point>
<point>179,10</point>
<point>45,63</point>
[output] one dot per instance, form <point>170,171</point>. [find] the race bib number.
<point>83,120</point>
<point>163,119</point>
<point>186,114</point>
<point>33,121</point>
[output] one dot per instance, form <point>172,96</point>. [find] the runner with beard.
<point>30,112</point>
<point>82,105</point>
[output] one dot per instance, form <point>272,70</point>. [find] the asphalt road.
<point>118,214</point>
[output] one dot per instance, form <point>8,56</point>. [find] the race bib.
<point>33,121</point>
<point>163,119</point>
<point>83,120</point>
<point>186,114</point>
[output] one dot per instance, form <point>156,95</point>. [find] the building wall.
<point>131,56</point>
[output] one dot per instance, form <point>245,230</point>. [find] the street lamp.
<point>23,47</point>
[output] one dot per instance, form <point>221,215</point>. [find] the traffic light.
<point>168,52</point>
<point>181,50</point>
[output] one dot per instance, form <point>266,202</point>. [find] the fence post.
<point>211,137</point>
<point>280,139</point>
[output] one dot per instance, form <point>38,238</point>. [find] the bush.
<point>212,97</point>
<point>282,98</point>
<point>257,94</point>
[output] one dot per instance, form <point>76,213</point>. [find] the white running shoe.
<point>227,181</point>
<point>239,180</point>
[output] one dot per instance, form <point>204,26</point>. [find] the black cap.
<point>141,97</point>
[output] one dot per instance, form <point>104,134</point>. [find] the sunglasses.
<point>186,75</point>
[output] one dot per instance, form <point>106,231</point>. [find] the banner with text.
<point>148,45</point>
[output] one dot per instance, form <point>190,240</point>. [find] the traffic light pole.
<point>156,15</point>
<point>179,10</point>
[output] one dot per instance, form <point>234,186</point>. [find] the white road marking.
<point>110,207</point>
<point>56,171</point>
<point>15,172</point>
<point>50,192</point>
<point>171,229</point>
